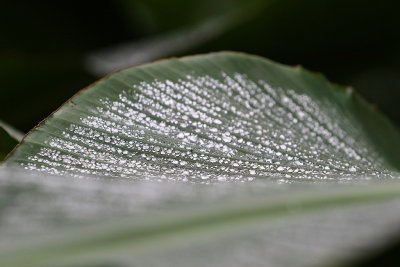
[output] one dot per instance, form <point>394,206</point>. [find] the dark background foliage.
<point>45,44</point>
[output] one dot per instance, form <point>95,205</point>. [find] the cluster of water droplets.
<point>201,128</point>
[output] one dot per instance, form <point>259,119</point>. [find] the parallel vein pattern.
<point>201,119</point>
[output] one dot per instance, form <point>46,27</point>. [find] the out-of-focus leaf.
<point>15,133</point>
<point>143,51</point>
<point>176,41</point>
<point>59,221</point>
<point>7,143</point>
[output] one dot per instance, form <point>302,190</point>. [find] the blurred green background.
<point>51,49</point>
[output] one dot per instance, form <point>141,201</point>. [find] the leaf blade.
<point>117,110</point>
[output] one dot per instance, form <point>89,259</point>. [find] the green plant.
<point>219,160</point>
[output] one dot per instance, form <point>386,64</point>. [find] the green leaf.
<point>319,169</point>
<point>176,41</point>
<point>137,52</point>
<point>214,117</point>
<point>7,143</point>
<point>15,133</point>
<point>53,221</point>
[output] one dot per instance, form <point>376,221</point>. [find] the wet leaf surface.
<point>217,117</point>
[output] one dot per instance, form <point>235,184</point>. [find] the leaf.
<point>214,117</point>
<point>319,169</point>
<point>137,52</point>
<point>7,143</point>
<point>53,221</point>
<point>15,133</point>
<point>174,41</point>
